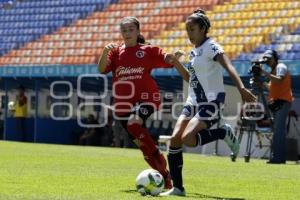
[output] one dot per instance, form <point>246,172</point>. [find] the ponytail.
<point>141,39</point>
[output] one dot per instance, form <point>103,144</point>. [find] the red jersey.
<point>132,82</point>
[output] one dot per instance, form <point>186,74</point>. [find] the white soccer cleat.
<point>173,192</point>
<point>231,140</point>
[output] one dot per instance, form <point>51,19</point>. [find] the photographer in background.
<point>281,97</point>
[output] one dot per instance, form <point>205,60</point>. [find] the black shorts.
<point>144,111</point>
<point>208,112</point>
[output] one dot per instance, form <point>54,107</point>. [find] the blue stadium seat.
<point>242,57</point>
<point>30,19</point>
<point>297,56</point>
<point>297,31</point>
<point>260,49</point>
<point>296,48</point>
<point>284,56</point>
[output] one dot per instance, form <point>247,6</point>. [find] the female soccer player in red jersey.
<point>136,94</point>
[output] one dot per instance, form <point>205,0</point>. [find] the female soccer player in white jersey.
<point>205,95</point>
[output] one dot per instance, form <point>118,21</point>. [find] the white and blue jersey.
<point>206,77</point>
<point>206,89</point>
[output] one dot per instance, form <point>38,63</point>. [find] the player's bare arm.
<point>246,95</point>
<point>103,62</point>
<point>173,59</point>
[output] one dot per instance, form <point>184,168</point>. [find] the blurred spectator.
<point>90,135</point>
<point>6,4</point>
<point>121,137</point>
<point>21,113</point>
<point>97,136</point>
<point>107,132</point>
<point>1,127</point>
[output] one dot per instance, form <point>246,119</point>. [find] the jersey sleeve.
<point>110,61</point>
<point>158,58</point>
<point>281,69</point>
<point>214,50</point>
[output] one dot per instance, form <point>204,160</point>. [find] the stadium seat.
<point>77,24</point>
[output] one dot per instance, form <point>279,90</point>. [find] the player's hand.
<point>170,58</point>
<point>247,96</point>
<point>179,53</point>
<point>109,47</point>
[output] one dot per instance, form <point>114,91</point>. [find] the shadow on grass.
<point>195,196</point>
<point>205,196</point>
<point>129,191</point>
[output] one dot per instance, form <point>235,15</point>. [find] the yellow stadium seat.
<point>234,23</point>
<point>167,41</point>
<point>218,9</point>
<point>181,26</point>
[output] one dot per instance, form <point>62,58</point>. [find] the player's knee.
<point>134,123</point>
<point>131,127</point>
<point>188,139</point>
<point>184,138</point>
<point>175,141</point>
<point>134,120</point>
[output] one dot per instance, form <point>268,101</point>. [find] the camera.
<point>257,80</point>
<point>256,67</point>
<point>255,70</point>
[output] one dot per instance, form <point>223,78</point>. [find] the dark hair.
<point>199,17</point>
<point>141,39</point>
<point>271,53</point>
<point>136,22</point>
<point>275,55</point>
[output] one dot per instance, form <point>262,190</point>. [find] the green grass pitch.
<point>59,172</point>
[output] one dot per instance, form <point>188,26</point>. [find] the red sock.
<point>151,154</point>
<point>150,160</point>
<point>145,142</point>
<point>161,164</point>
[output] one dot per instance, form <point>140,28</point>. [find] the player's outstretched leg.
<point>175,160</point>
<point>151,154</point>
<point>223,133</point>
<point>162,164</point>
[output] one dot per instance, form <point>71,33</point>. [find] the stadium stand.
<point>83,40</point>
<point>29,20</point>
<point>288,47</point>
<point>240,25</point>
<point>3,2</point>
<point>75,32</point>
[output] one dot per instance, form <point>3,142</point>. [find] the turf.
<point>59,172</point>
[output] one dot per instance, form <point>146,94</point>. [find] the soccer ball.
<point>11,106</point>
<point>150,182</point>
